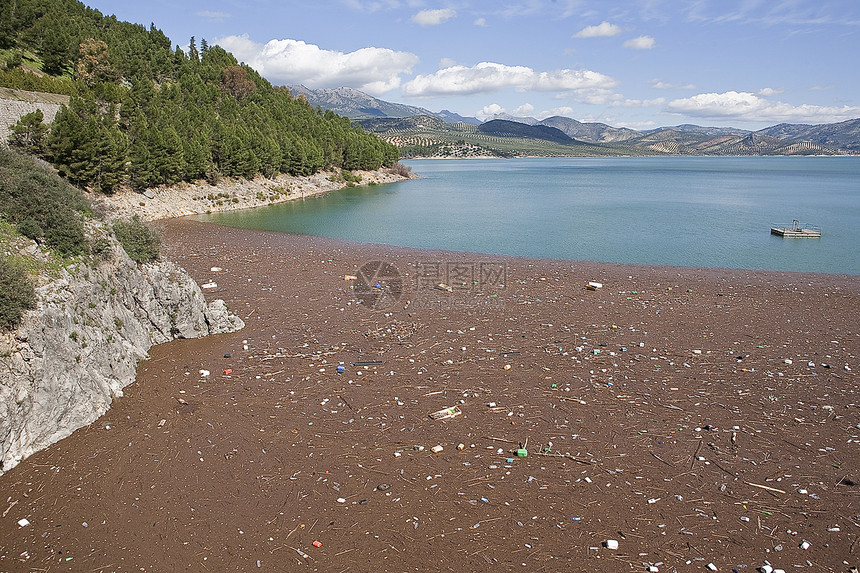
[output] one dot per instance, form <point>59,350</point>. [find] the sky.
<point>640,64</point>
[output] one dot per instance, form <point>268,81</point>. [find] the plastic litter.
<point>446,413</point>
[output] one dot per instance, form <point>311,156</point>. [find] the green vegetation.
<point>29,133</point>
<point>37,204</point>
<point>139,240</point>
<point>145,114</point>
<point>425,136</point>
<point>42,206</point>
<point>16,293</point>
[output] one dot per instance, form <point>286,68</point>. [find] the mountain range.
<point>382,117</point>
<point>355,104</point>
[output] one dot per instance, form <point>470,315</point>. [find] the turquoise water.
<point>688,211</point>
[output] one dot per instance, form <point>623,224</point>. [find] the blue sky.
<point>631,63</point>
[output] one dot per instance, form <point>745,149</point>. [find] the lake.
<point>685,211</point>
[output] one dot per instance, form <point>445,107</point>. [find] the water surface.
<point>689,211</point>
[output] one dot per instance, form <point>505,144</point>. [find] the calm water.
<point>691,211</point>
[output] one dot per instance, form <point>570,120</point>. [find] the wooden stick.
<point>661,459</point>
<point>768,488</point>
<point>568,456</point>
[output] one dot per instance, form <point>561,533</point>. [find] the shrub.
<point>16,293</point>
<point>400,169</point>
<point>139,240</point>
<point>43,206</point>
<point>31,229</point>
<point>350,177</point>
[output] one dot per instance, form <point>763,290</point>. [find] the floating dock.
<point>796,230</point>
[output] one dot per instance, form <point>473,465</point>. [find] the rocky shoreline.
<point>231,194</point>
<point>71,357</point>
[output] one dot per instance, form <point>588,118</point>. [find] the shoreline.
<point>200,197</point>
<point>335,242</point>
<point>653,410</point>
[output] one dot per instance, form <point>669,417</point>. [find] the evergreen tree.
<point>180,117</point>
<point>29,133</point>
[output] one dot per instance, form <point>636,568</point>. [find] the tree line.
<point>145,114</point>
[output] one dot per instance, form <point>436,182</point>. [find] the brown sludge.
<point>660,411</point>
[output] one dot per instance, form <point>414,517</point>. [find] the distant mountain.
<point>451,117</point>
<point>505,128</point>
<point>706,131</point>
<point>591,132</point>
<point>356,104</point>
<point>509,117</point>
<point>406,121</point>
<point>720,141</point>
<point>844,135</point>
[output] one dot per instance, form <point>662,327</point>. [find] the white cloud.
<point>638,102</point>
<point>373,70</point>
<point>523,110</point>
<point>482,22</point>
<point>212,16</point>
<point>371,7</point>
<point>489,111</point>
<point>563,111</point>
<point>602,30</point>
<point>770,91</point>
<point>488,77</point>
<point>750,107</point>
<point>638,125</point>
<point>640,43</point>
<point>661,85</point>
<point>433,17</point>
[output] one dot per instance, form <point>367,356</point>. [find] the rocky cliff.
<point>73,354</point>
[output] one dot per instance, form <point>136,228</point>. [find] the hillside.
<point>427,136</point>
<point>358,105</point>
<point>143,113</point>
<point>843,135</point>
<point>591,132</point>
<point>503,128</point>
<point>81,302</point>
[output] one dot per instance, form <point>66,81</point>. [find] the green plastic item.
<point>522,452</point>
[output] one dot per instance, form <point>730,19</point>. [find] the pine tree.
<point>29,133</point>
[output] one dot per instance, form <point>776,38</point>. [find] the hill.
<point>429,136</point>
<point>591,132</point>
<point>504,128</point>
<point>843,135</point>
<point>143,114</point>
<point>356,104</point>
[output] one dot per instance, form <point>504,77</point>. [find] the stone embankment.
<point>73,355</point>
<point>16,103</point>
